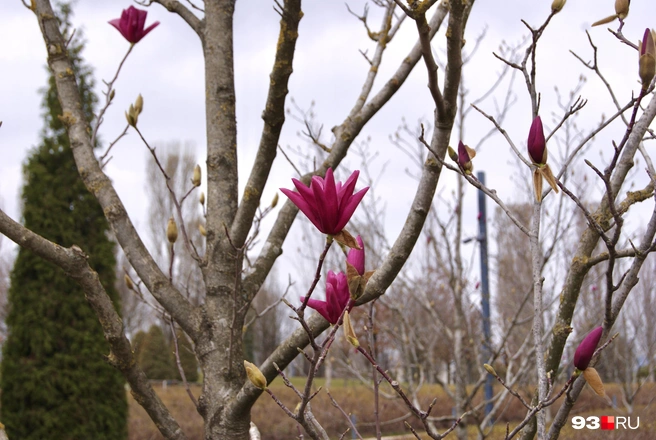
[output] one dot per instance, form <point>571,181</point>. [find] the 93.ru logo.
<point>606,423</point>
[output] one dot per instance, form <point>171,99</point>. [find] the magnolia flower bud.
<point>202,198</point>
<point>356,257</point>
<point>622,8</point>
<point>355,274</point>
<point>557,5</point>
<point>128,282</point>
<point>465,155</point>
<point>138,104</point>
<point>586,348</point>
<point>112,94</point>
<point>647,60</point>
<point>621,12</point>
<point>132,116</point>
<point>195,180</point>
<point>202,230</point>
<point>274,202</point>
<point>537,147</point>
<point>452,154</point>
<point>490,369</point>
<point>172,231</point>
<point>255,375</point>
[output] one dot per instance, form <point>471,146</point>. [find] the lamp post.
<point>485,289</point>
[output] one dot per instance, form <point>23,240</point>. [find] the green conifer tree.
<point>137,342</point>
<point>55,381</point>
<point>155,355</point>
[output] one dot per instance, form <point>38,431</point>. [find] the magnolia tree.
<point>233,273</point>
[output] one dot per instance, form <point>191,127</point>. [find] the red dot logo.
<point>608,422</point>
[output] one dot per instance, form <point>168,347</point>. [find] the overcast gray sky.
<point>166,67</point>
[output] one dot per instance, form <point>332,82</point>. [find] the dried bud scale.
<point>128,282</point>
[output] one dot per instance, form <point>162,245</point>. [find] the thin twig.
<point>108,99</point>
<point>336,405</point>
<point>178,206</point>
<point>179,363</point>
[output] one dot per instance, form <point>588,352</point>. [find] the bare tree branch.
<point>98,183</point>
<point>587,243</point>
<point>74,262</point>
<point>274,118</point>
<point>176,7</point>
<point>344,136</point>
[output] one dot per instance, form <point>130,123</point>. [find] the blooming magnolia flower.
<point>131,24</point>
<point>355,257</point>
<point>327,204</point>
<point>537,146</point>
<point>586,349</point>
<point>337,297</point>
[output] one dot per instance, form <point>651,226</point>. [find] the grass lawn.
<point>358,399</point>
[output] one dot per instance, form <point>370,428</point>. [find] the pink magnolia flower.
<point>131,24</point>
<point>337,297</point>
<point>355,257</point>
<point>586,349</point>
<point>537,147</point>
<point>327,204</point>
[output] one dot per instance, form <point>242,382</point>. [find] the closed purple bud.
<point>356,257</point>
<point>586,348</point>
<point>465,155</point>
<point>537,146</point>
